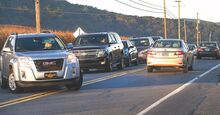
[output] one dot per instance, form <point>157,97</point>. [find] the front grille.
<point>49,64</point>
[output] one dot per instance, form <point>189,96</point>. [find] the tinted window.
<point>125,44</point>
<point>141,42</point>
<point>91,40</point>
<point>38,44</point>
<point>208,45</point>
<point>167,44</point>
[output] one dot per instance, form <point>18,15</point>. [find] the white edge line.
<point>175,91</point>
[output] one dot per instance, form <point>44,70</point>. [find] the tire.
<point>121,65</point>
<point>136,61</point>
<point>109,67</point>
<point>149,69</point>
<point>198,57</point>
<point>13,87</point>
<point>76,86</point>
<point>128,62</point>
<point>185,69</point>
<point>4,83</point>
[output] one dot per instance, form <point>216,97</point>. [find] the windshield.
<point>38,44</point>
<point>141,42</point>
<point>208,45</point>
<point>91,40</point>
<point>167,44</point>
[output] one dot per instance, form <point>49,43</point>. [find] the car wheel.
<point>190,67</point>
<point>198,57</point>
<point>185,68</point>
<point>109,67</point>
<point>77,85</point>
<point>4,84</point>
<point>128,62</point>
<point>13,87</point>
<point>149,69</point>
<point>121,65</point>
<point>136,61</point>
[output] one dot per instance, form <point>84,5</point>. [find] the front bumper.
<point>94,63</point>
<point>47,83</point>
<point>160,62</point>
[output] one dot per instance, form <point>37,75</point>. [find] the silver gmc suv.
<point>28,60</point>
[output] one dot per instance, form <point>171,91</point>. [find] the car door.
<point>7,54</point>
<point>132,50</point>
<point>113,47</point>
<point>120,46</point>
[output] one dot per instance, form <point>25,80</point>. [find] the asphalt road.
<point>127,92</point>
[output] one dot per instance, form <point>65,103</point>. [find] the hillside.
<point>61,15</point>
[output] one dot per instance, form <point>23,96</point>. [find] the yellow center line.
<point>47,93</point>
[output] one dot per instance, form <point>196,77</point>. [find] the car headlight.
<point>23,61</point>
<point>100,53</point>
<point>71,58</point>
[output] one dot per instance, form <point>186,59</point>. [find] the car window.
<point>38,44</point>
<point>9,43</point>
<point>125,44</point>
<point>167,44</point>
<point>112,39</point>
<point>208,45</point>
<point>91,40</point>
<point>141,42</point>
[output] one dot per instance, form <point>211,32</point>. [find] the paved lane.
<point>128,94</point>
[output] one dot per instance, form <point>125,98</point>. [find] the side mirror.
<point>6,49</point>
<point>131,47</point>
<point>69,46</point>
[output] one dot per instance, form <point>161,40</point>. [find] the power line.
<point>137,7</point>
<point>159,7</point>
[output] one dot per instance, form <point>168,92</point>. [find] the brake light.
<point>199,49</point>
<point>179,53</point>
<point>150,52</point>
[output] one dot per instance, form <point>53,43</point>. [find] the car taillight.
<point>179,53</point>
<point>199,49</point>
<point>151,52</point>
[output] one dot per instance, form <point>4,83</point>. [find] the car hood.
<point>35,55</point>
<point>89,47</point>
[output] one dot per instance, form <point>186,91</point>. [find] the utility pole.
<point>37,15</point>
<point>178,1</point>
<point>165,19</point>
<point>210,36</point>
<point>197,30</point>
<point>185,30</point>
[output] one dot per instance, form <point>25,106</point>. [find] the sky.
<point>208,9</point>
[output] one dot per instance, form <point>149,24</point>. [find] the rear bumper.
<point>159,62</point>
<point>207,54</point>
<point>47,83</point>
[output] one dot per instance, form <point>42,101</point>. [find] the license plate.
<point>165,54</point>
<point>207,49</point>
<point>50,75</point>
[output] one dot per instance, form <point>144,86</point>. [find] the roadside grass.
<point>6,30</point>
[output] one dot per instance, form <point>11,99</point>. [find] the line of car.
<point>43,59</point>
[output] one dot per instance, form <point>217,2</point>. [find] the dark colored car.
<point>155,38</point>
<point>193,48</point>
<point>142,44</point>
<point>208,49</point>
<point>102,50</point>
<point>130,53</point>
